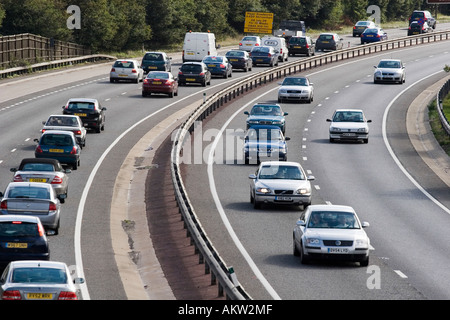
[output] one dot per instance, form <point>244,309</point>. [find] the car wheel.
<point>366,140</point>
<point>176,93</point>
<point>204,83</point>
<point>303,258</point>
<point>75,166</point>
<point>256,204</point>
<point>56,230</point>
<point>364,263</point>
<point>171,94</point>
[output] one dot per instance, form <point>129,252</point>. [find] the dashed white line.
<point>401,274</point>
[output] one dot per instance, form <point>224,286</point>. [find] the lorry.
<point>198,45</point>
<point>290,28</point>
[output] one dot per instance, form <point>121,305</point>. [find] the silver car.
<point>38,280</point>
<point>349,125</point>
<point>33,199</point>
<point>296,89</point>
<point>67,123</point>
<point>331,232</point>
<point>248,42</point>
<point>126,69</point>
<point>389,70</point>
<point>44,170</point>
<point>279,182</point>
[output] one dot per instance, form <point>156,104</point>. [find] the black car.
<point>329,41</point>
<point>22,238</point>
<point>89,110</point>
<point>194,72</point>
<point>423,16</point>
<point>239,59</point>
<point>301,45</point>
<point>418,28</point>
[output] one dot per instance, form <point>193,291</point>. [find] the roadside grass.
<point>439,133</point>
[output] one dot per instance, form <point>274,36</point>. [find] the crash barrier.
<point>440,97</point>
<point>29,48</point>
<point>214,264</point>
<point>53,64</point>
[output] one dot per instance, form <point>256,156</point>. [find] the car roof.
<point>390,60</point>
<point>348,109</point>
<point>68,133</point>
<point>281,163</point>
<point>330,207</point>
<point>39,160</point>
<point>31,184</point>
<point>19,217</point>
<point>83,100</point>
<point>63,116</point>
<point>39,263</point>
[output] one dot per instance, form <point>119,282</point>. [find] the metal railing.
<point>443,92</point>
<point>214,262</point>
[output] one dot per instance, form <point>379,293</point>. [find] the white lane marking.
<point>401,274</point>
<point>80,210</point>
<point>394,157</point>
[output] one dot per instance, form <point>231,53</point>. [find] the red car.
<point>160,82</point>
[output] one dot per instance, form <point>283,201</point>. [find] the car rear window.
<point>154,57</point>
<point>18,229</point>
<point>295,40</point>
<point>28,192</point>
<point>249,39</point>
<point>260,49</point>
<point>191,67</point>
<point>326,37</point>
<point>124,64</point>
<point>39,275</point>
<point>57,140</point>
<point>158,75</point>
<point>38,167</point>
<point>81,105</point>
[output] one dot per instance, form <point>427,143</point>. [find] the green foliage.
<point>121,25</point>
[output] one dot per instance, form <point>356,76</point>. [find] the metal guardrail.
<point>440,97</point>
<point>214,262</point>
<point>53,64</point>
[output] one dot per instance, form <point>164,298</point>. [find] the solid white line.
<point>394,157</point>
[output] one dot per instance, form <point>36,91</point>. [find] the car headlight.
<point>361,243</point>
<point>263,190</point>
<point>313,241</point>
<point>378,73</point>
<point>282,91</point>
<point>304,191</point>
<point>252,149</point>
<point>277,122</point>
<point>335,129</point>
<point>253,121</point>
<point>364,130</point>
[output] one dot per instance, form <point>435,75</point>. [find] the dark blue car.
<point>264,142</point>
<point>373,35</point>
<point>264,55</point>
<point>218,65</point>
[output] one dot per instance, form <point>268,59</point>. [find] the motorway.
<point>364,176</point>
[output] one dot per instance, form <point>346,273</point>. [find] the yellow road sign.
<point>258,22</point>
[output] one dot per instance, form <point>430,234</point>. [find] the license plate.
<point>325,41</point>
<point>280,198</point>
<point>233,60</point>
<point>348,134</point>
<point>259,60</point>
<point>248,44</point>
<point>44,296</point>
<point>80,114</point>
<point>369,36</point>
<point>337,250</point>
<point>211,65</point>
<point>37,180</point>
<point>56,150</point>
<point>153,67</point>
<point>157,82</point>
<point>123,75</point>
<point>190,79</point>
<point>297,47</point>
<point>19,245</point>
<point>190,53</point>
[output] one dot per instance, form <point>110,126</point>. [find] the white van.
<point>279,43</point>
<point>198,45</point>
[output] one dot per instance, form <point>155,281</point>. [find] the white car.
<point>296,89</point>
<point>389,70</point>
<point>331,232</point>
<point>67,123</point>
<point>248,42</point>
<point>126,69</point>
<point>280,182</point>
<point>349,125</point>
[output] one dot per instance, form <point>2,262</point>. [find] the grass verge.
<point>441,136</point>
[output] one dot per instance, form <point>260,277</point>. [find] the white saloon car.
<point>331,232</point>
<point>126,69</point>
<point>296,89</point>
<point>349,124</point>
<point>280,182</point>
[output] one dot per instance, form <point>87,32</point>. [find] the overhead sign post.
<point>258,22</point>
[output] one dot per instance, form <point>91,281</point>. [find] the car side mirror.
<point>301,223</point>
<point>246,112</point>
<point>78,281</point>
<point>285,113</point>
<point>252,176</point>
<point>287,138</point>
<point>13,169</point>
<point>365,224</point>
<point>369,121</point>
<point>36,140</point>
<point>329,120</point>
<point>311,178</point>
<point>67,171</point>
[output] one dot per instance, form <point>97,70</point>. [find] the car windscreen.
<point>348,116</point>
<point>295,82</point>
<point>281,172</point>
<point>389,64</point>
<point>333,219</point>
<point>39,275</point>
<point>18,229</point>
<point>266,111</point>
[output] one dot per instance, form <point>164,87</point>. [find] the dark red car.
<point>160,82</point>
